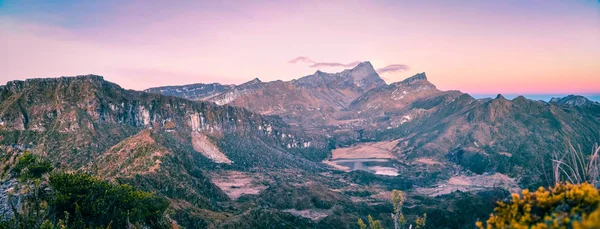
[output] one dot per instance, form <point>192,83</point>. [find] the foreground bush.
<point>563,206</point>
<point>77,200</point>
<point>99,203</point>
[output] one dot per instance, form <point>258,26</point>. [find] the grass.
<point>575,167</point>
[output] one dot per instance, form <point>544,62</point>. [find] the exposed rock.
<point>203,145</point>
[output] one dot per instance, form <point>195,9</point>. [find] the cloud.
<point>302,59</point>
<point>333,64</point>
<point>314,64</point>
<point>393,68</point>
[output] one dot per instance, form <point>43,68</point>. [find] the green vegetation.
<point>566,205</point>
<point>105,204</point>
<point>398,199</point>
<point>563,206</point>
<point>78,200</point>
<point>30,166</point>
<point>373,224</point>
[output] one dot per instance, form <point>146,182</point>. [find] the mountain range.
<point>356,106</point>
<point>314,152</point>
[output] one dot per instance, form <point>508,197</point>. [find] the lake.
<point>374,165</point>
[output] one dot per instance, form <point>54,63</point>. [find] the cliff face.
<point>74,118</point>
<point>193,91</point>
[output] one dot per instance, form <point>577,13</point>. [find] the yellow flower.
<point>562,206</point>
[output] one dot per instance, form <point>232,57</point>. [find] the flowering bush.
<point>563,206</point>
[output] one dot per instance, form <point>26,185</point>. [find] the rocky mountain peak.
<point>520,99</point>
<point>362,77</point>
<point>253,81</point>
<point>416,78</point>
<point>572,100</point>
<point>364,66</point>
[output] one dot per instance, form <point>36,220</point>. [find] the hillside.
<point>512,137</point>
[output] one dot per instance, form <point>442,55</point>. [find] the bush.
<point>563,206</point>
<point>96,202</point>
<point>31,166</point>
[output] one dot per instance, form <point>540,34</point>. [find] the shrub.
<point>31,166</point>
<point>96,202</point>
<point>563,206</point>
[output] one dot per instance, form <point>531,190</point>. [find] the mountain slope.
<point>310,100</point>
<point>154,142</point>
<point>512,137</point>
<point>65,117</point>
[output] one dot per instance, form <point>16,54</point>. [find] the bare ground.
<point>383,149</point>
<point>202,144</point>
<point>236,184</point>
<point>470,183</point>
<point>313,214</point>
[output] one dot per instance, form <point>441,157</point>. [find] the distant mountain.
<point>193,91</point>
<point>310,100</point>
<point>542,97</point>
<point>574,100</point>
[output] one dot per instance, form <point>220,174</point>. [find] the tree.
<point>361,224</point>
<point>398,200</point>
<point>397,216</point>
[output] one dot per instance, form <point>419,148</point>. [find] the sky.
<point>479,47</point>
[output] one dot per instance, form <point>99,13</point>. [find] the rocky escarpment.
<point>193,91</point>
<point>65,117</point>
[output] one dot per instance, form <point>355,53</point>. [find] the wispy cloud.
<point>393,68</point>
<point>302,59</point>
<point>314,64</point>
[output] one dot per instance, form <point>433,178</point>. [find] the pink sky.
<point>474,46</point>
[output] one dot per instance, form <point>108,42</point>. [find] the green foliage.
<point>399,220</point>
<point>374,224</point>
<point>104,203</point>
<point>76,200</point>
<point>47,225</point>
<point>30,166</point>
<point>398,201</point>
<point>421,221</point>
<point>361,224</point>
